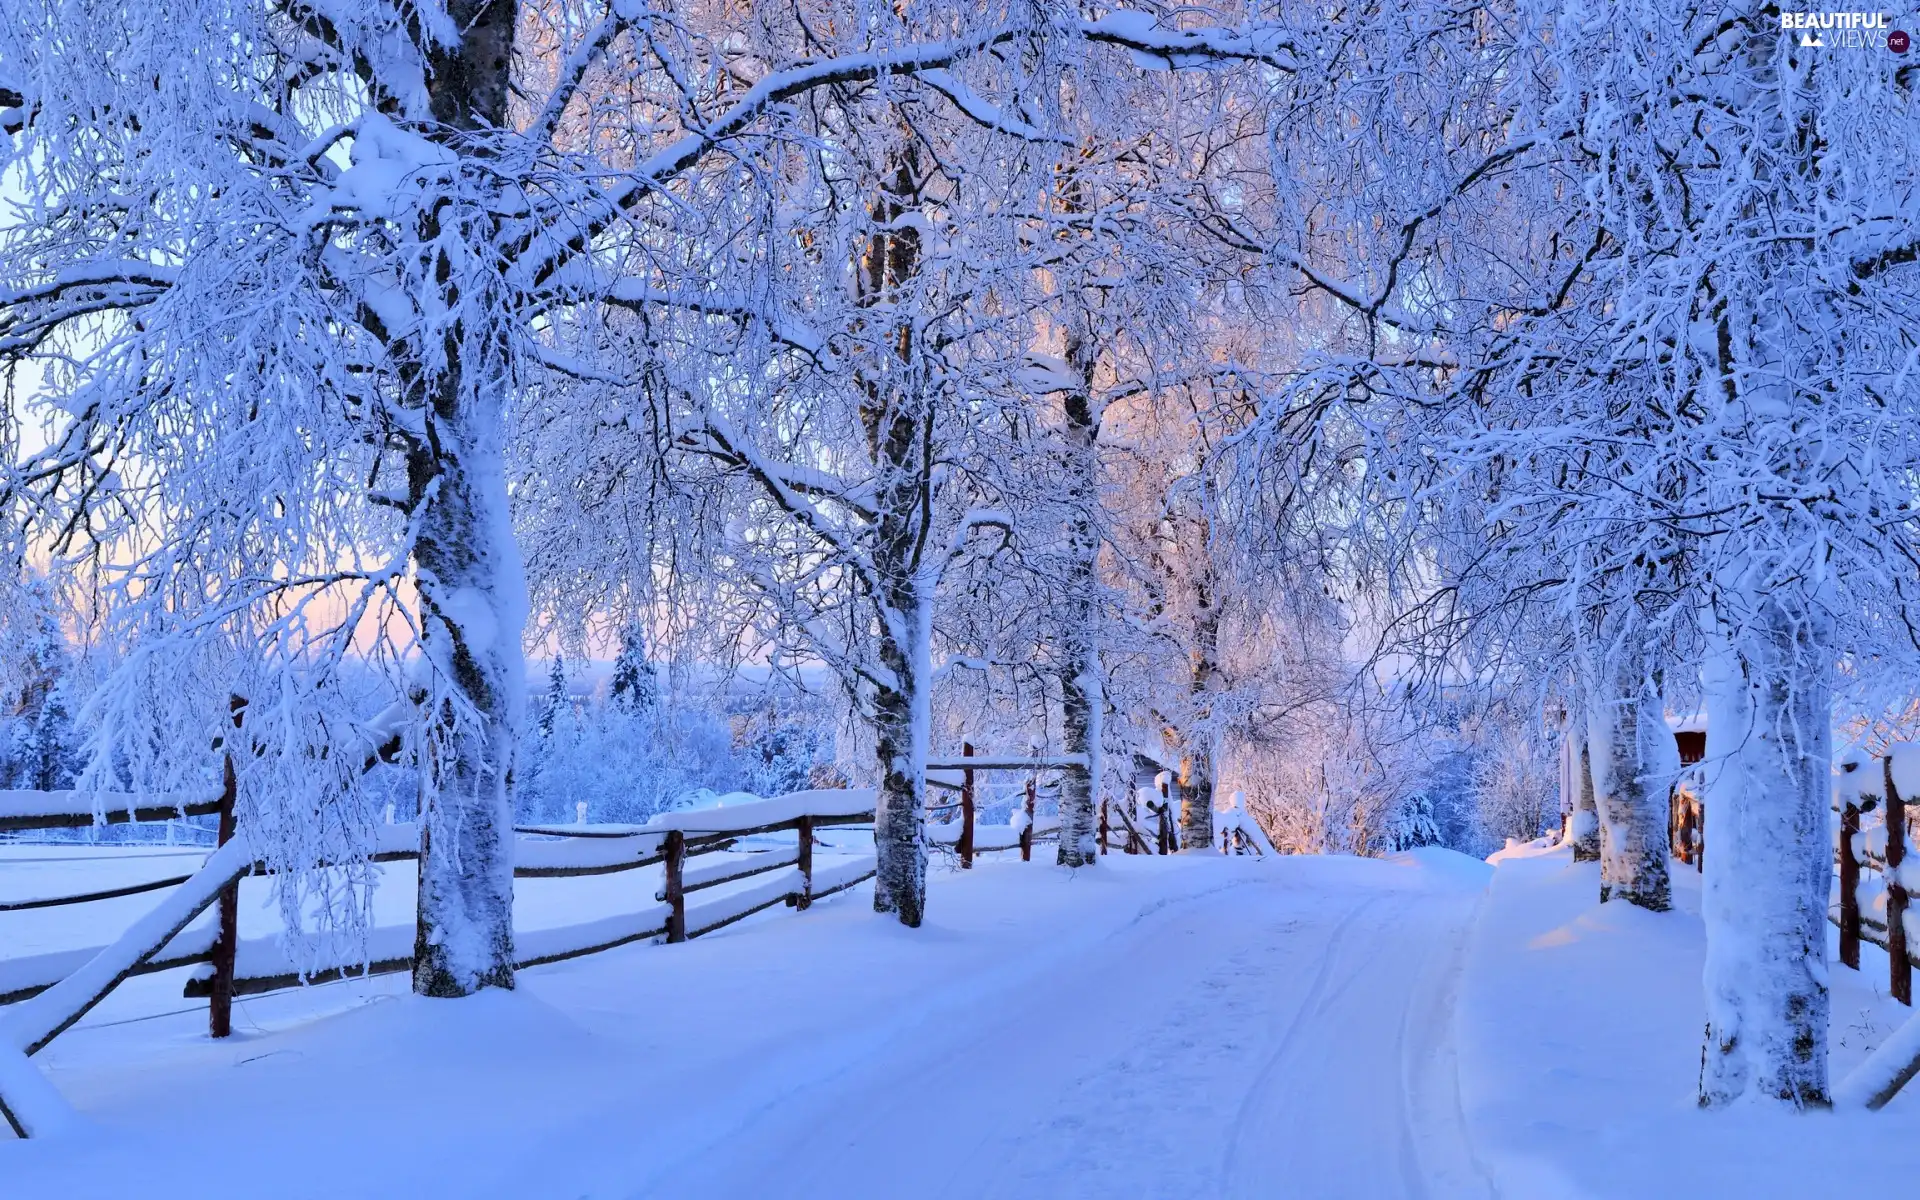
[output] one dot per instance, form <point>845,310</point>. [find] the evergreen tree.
<point>39,744</point>
<point>635,689</point>
<point>1414,825</point>
<point>54,762</point>
<point>556,698</point>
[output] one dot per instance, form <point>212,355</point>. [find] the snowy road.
<point>1162,1027</point>
<point>1267,1040</point>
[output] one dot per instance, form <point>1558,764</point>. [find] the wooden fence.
<point>1863,847</point>
<point>964,834</point>
<point>48,993</point>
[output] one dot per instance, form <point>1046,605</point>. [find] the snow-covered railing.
<point>1861,792</point>
<point>962,834</point>
<point>1129,821</point>
<point>1239,832</point>
<point>77,810</point>
<point>558,851</point>
<point>1017,834</point>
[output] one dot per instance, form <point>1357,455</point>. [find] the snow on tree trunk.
<point>898,418</point>
<point>467,566</point>
<point>1081,704</point>
<point>1765,897</point>
<point>902,719</point>
<point>473,604</point>
<point>1082,697</point>
<point>1632,757</point>
<point>1585,826</point>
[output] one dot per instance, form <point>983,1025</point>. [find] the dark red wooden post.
<point>676,892</point>
<point>1026,835</point>
<point>804,830</point>
<point>227,908</point>
<point>1900,985</point>
<point>966,809</point>
<point>1849,888</point>
<point>1103,825</point>
<point>1700,835</point>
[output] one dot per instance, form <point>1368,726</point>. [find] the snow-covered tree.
<point>285,271</point>
<point>635,687</point>
<point>1654,433</point>
<point>41,747</point>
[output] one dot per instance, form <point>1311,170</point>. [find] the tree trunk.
<point>1196,763</point>
<point>1082,697</point>
<point>1765,898</point>
<point>1196,799</point>
<point>471,583</point>
<point>1633,758</point>
<point>1585,832</point>
<point>902,720</point>
<point>897,416</point>
<point>473,603</point>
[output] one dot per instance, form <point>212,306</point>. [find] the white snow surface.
<point>820,802</point>
<point>1035,1038</point>
<point>1191,1025</point>
<point>1579,1038</point>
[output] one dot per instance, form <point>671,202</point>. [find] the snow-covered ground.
<point>1580,1028</point>
<point>1426,1026</point>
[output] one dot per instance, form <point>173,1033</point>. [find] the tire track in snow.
<point>1380,1060</point>
<point>1230,1166</point>
<point>1431,1076</point>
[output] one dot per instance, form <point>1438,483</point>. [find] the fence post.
<point>1103,825</point>
<point>227,907</point>
<point>1849,888</point>
<point>1026,835</point>
<point>1163,830</point>
<point>1900,985</point>
<point>1699,835</point>
<point>966,809</point>
<point>676,892</point>
<point>804,829</point>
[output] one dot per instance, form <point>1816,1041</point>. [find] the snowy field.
<point>1426,1026</point>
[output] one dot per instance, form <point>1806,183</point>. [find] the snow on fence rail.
<point>70,810</point>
